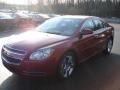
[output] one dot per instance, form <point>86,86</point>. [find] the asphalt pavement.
<point>98,73</point>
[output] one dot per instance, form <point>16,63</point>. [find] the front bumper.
<point>28,68</point>
<point>15,60</point>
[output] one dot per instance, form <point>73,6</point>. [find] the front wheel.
<point>66,66</point>
<point>108,47</point>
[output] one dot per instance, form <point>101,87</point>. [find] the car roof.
<point>78,16</point>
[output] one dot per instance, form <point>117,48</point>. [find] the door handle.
<point>96,36</point>
<point>100,36</point>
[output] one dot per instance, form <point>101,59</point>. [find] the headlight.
<point>41,54</point>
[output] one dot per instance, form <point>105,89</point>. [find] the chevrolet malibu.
<point>55,47</point>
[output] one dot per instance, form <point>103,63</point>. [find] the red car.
<point>57,46</point>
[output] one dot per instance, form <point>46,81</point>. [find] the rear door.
<point>101,33</point>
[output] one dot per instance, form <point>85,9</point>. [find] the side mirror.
<point>86,31</point>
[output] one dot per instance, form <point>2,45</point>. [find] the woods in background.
<point>103,8</point>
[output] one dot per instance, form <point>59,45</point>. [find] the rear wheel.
<point>66,66</point>
<point>108,47</point>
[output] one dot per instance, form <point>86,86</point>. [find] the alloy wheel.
<point>67,66</point>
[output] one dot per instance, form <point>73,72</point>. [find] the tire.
<point>109,46</point>
<point>66,66</point>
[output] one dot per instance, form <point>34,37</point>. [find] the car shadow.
<point>92,74</point>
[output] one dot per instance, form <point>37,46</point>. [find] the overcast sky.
<point>20,2</point>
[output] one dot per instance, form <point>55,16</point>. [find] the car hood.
<point>33,40</point>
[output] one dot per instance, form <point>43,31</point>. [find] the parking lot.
<point>98,73</point>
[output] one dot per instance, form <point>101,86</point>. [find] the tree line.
<point>103,8</point>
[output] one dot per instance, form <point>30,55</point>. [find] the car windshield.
<point>61,26</point>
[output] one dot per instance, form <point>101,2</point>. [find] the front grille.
<point>12,56</point>
<point>14,50</point>
<point>10,60</point>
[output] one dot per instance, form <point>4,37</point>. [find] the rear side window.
<point>98,24</point>
<point>88,24</point>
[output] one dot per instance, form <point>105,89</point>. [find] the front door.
<point>87,44</point>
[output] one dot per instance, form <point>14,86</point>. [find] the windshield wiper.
<point>54,33</point>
